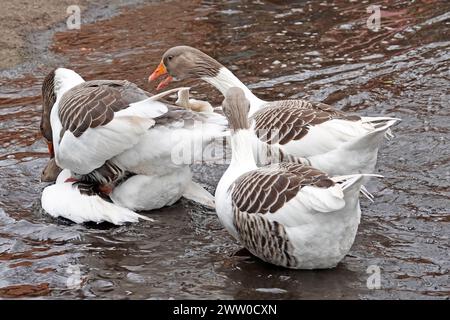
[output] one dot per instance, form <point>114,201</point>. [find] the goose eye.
<point>169,58</point>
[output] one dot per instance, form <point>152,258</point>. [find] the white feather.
<point>64,80</point>
<point>65,200</point>
<point>148,108</point>
<point>128,142</point>
<point>320,223</point>
<point>143,192</point>
<point>357,155</point>
<point>96,145</point>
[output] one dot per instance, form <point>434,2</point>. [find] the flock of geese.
<point>290,194</point>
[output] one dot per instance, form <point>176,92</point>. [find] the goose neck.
<point>242,158</point>
<point>225,79</point>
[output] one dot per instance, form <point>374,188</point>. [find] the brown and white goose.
<point>111,133</point>
<point>314,133</point>
<point>287,214</point>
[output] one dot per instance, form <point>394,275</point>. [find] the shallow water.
<point>322,50</point>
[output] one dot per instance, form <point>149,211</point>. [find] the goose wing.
<point>99,120</point>
<point>268,201</point>
<point>283,121</point>
<point>269,189</point>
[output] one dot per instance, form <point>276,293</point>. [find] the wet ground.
<point>323,50</point>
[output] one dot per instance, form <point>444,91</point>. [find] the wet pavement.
<point>321,50</point>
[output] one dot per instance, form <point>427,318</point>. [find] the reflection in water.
<point>321,50</point>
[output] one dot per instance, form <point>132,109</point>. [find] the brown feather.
<point>93,103</point>
<point>287,120</point>
<point>268,189</point>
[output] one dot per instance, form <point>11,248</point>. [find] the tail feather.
<point>166,93</point>
<point>372,139</point>
<point>381,124</point>
<point>334,198</point>
<point>348,182</point>
<point>366,193</point>
<point>343,178</point>
<point>197,193</point>
<point>379,120</point>
<point>360,153</point>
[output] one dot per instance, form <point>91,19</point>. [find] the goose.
<point>184,100</point>
<point>51,171</point>
<point>104,131</point>
<point>82,202</point>
<point>300,131</point>
<point>287,214</point>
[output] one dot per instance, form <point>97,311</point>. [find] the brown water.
<point>323,50</point>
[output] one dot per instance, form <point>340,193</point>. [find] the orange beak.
<point>50,149</point>
<point>159,71</point>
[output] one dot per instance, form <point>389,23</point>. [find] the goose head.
<point>51,171</point>
<point>48,100</point>
<point>184,62</point>
<point>235,106</point>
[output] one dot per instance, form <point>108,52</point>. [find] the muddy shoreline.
<point>27,38</point>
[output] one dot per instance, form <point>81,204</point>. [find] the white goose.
<point>287,214</point>
<point>314,133</point>
<point>111,134</point>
